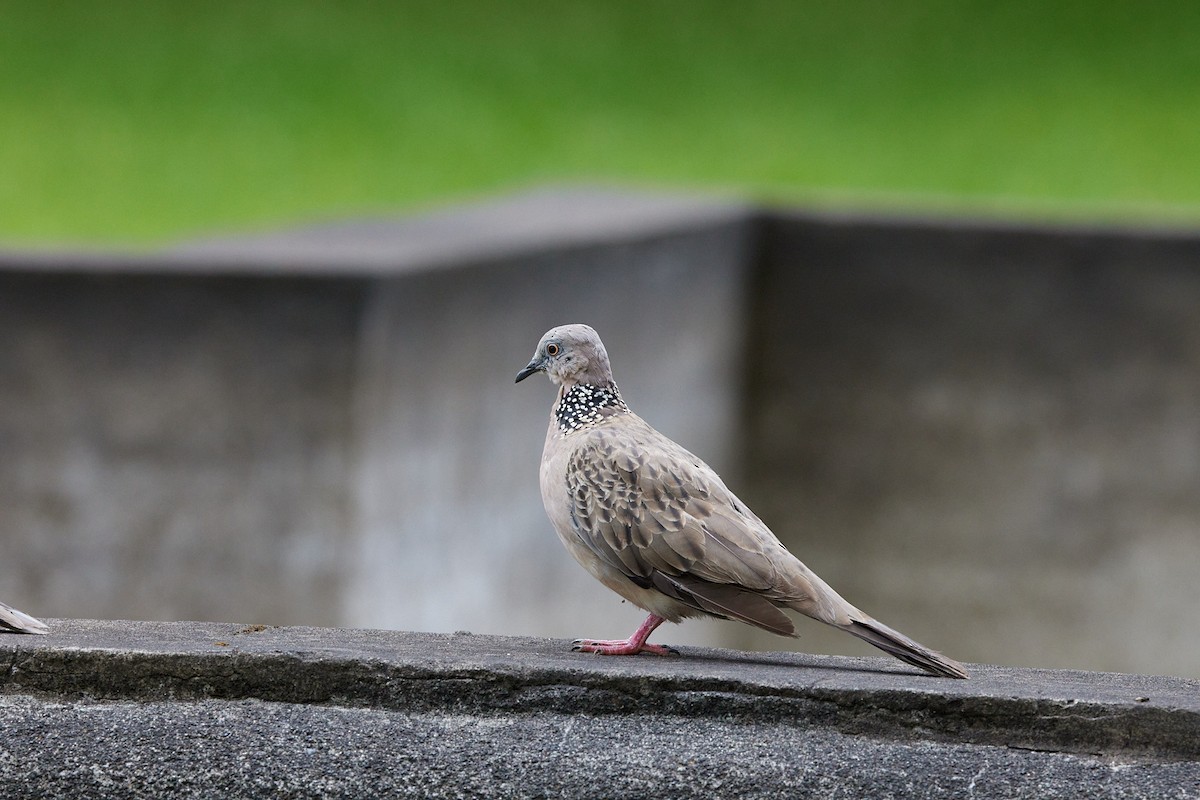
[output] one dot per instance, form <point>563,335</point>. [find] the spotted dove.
<point>658,526</point>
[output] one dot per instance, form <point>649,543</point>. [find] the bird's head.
<point>570,354</point>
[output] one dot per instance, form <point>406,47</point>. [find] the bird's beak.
<point>533,366</point>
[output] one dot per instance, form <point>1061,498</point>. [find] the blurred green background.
<point>140,122</point>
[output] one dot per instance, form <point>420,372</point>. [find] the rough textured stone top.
<point>152,709</point>
<point>1080,712</point>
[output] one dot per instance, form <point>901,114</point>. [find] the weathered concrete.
<point>547,220</point>
<point>110,709</point>
<point>986,434</point>
<point>146,420</point>
<point>346,393</point>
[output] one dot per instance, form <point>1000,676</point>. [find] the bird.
<point>659,527</point>
<point>15,621</point>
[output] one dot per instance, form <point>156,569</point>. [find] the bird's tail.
<point>20,621</point>
<point>897,644</point>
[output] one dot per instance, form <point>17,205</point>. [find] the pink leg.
<point>627,647</point>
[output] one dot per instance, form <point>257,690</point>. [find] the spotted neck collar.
<point>583,405</point>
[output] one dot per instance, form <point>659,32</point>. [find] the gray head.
<point>570,354</point>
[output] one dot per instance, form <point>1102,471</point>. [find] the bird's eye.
<point>552,349</point>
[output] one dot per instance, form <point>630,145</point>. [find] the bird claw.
<point>620,647</point>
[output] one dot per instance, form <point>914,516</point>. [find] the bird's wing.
<point>663,518</point>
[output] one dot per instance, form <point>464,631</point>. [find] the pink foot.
<point>620,647</point>
<point>627,647</point>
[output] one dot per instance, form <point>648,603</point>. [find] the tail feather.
<point>897,644</point>
<point>19,621</point>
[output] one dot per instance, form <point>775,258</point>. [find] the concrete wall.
<point>176,446</point>
<point>451,533</point>
<point>321,427</point>
<point>989,437</point>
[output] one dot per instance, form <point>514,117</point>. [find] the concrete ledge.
<point>1047,710</point>
<point>521,226</point>
<point>121,709</point>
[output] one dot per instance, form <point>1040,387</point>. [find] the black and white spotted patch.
<point>583,405</point>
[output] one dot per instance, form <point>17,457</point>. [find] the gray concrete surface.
<point>147,421</point>
<point>346,393</point>
<point>987,435</point>
<point>549,219</point>
<point>120,709</point>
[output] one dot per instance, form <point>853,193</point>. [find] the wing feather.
<point>657,513</point>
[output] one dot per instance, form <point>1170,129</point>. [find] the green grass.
<point>139,122</point>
